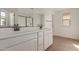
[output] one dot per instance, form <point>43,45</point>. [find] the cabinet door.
<point>40,48</point>
<point>40,41</point>
<point>50,39</point>
<point>24,46</point>
<point>40,44</point>
<point>47,39</point>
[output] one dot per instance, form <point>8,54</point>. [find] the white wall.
<point>71,31</point>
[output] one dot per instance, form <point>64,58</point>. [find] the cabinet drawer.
<point>25,46</point>
<point>12,41</point>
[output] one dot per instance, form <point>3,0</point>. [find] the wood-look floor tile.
<point>64,44</point>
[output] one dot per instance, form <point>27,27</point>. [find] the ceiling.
<point>34,10</point>
<point>39,10</point>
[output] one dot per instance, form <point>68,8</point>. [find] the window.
<point>66,19</point>
<point>3,19</point>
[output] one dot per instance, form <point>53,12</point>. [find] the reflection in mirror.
<point>21,21</point>
<point>3,19</point>
<point>6,19</point>
<point>12,19</point>
<point>24,21</point>
<point>29,21</point>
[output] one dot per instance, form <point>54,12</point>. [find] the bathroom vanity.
<point>36,40</point>
<point>25,32</point>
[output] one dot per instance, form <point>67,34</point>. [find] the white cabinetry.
<point>48,37</point>
<point>48,40</point>
<point>40,41</point>
<point>45,39</point>
<point>22,42</point>
<point>33,41</point>
<point>25,46</point>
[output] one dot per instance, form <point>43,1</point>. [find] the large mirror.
<point>24,21</point>
<point>6,19</point>
<point>9,18</point>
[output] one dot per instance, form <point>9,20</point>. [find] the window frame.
<point>66,18</point>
